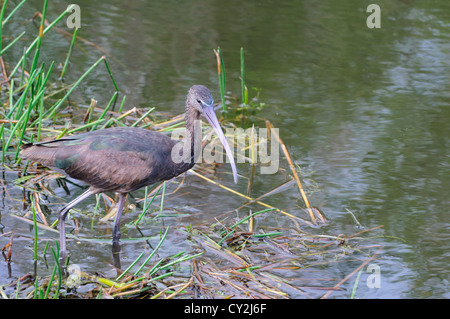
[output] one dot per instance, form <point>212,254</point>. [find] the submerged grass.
<point>229,256</point>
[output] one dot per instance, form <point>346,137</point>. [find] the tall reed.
<point>221,75</point>
<point>25,108</point>
<point>244,90</point>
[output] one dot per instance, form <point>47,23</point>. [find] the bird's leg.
<point>62,230</point>
<point>116,230</point>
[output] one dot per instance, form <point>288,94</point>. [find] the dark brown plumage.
<point>123,159</point>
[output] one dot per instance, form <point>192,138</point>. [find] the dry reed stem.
<point>351,274</point>
<point>165,289</point>
<point>163,125</point>
<point>38,208</point>
<point>249,198</point>
<point>39,225</point>
<point>363,231</point>
<point>65,33</point>
<point>294,173</point>
<point>5,74</point>
<point>8,246</point>
<point>8,121</point>
<point>271,192</point>
<point>181,288</point>
<point>224,253</point>
<point>219,64</point>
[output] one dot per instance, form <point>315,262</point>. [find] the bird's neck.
<point>193,123</point>
<point>194,127</point>
<point>192,138</point>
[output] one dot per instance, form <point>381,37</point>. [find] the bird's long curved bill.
<point>210,115</point>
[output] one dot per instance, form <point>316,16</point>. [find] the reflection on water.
<point>364,112</point>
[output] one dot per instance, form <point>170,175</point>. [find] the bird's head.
<point>200,98</point>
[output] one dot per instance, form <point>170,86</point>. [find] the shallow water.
<point>364,113</point>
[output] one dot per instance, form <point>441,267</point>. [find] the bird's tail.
<point>37,153</point>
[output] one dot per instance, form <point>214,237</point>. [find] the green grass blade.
<point>122,104</point>
<point>252,215</point>
<point>162,198</point>
<point>143,117</point>
<point>33,209</point>
<point>45,80</point>
<point>146,206</point>
<point>82,127</point>
<point>21,101</point>
<point>58,104</point>
<point>24,114</point>
<point>41,34</point>
<point>1,19</point>
<point>56,257</point>
<point>12,12</point>
<point>11,43</point>
<point>110,74</point>
<point>52,276</point>
<point>276,233</point>
<point>28,50</point>
<point>153,252</point>
<point>111,102</point>
<point>355,285</point>
<point>69,54</point>
<point>25,121</point>
<point>129,267</point>
<point>228,234</point>
<point>179,260</point>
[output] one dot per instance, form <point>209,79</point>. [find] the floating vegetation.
<point>229,256</point>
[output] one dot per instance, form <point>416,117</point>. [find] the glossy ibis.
<point>124,159</point>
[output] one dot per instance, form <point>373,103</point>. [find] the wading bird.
<point>124,159</point>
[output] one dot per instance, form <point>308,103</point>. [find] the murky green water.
<point>364,112</point>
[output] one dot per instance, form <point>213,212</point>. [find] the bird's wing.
<point>108,160</point>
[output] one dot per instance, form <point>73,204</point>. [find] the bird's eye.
<point>199,102</point>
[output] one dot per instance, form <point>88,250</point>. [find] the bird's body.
<point>120,159</point>
<point>124,159</point>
